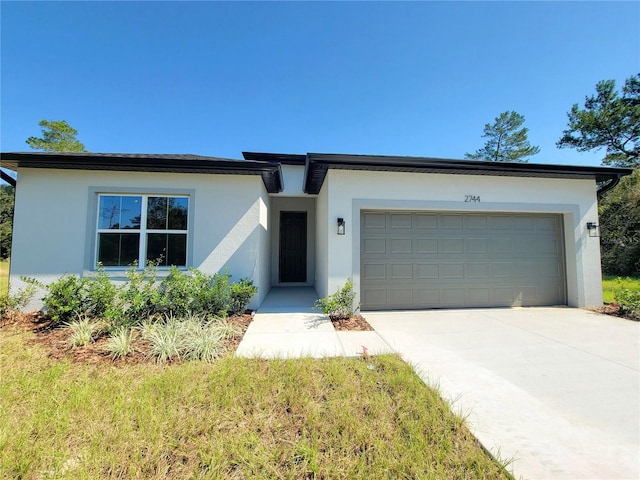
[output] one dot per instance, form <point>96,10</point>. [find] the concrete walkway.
<point>286,326</point>
<point>554,389</point>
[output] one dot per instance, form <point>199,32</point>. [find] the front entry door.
<point>293,247</point>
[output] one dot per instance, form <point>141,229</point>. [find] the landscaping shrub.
<point>241,293</point>
<point>629,302</point>
<point>11,304</point>
<point>176,293</point>
<point>212,293</point>
<point>143,298</point>
<point>65,300</point>
<point>338,306</point>
<point>100,295</point>
<point>139,297</point>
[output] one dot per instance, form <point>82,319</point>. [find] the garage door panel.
<point>373,220</point>
<point>400,246</point>
<point>477,245</point>
<point>374,271</point>
<point>426,245</point>
<point>401,271</point>
<point>450,221</point>
<point>426,220</point>
<point>399,220</point>
<point>451,245</point>
<point>427,271</point>
<point>431,260</point>
<point>477,270</point>
<point>374,246</point>
<point>400,297</point>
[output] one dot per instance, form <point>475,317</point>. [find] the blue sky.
<point>209,78</point>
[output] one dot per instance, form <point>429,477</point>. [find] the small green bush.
<point>212,293</point>
<point>65,300</point>
<point>629,302</point>
<point>142,297</point>
<point>12,304</point>
<point>241,293</point>
<point>339,306</point>
<point>100,295</point>
<point>139,297</point>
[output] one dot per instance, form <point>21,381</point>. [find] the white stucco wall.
<point>323,227</point>
<point>349,192</point>
<point>52,236</point>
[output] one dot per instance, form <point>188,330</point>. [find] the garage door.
<point>449,260</point>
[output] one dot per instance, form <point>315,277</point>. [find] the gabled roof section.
<point>317,165</point>
<point>142,162</point>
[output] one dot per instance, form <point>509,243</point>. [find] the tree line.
<point>609,120</point>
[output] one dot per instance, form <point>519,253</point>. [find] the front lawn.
<point>611,284</point>
<point>235,418</point>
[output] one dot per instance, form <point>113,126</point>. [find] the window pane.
<point>119,212</point>
<point>157,213</point>
<point>109,212</point>
<point>130,212</point>
<point>118,249</point>
<point>167,249</point>
<point>178,208</point>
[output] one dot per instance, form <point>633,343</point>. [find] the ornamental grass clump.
<point>120,342</point>
<point>83,331</point>
<point>192,337</point>
<point>166,338</point>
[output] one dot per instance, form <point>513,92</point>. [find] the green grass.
<point>4,276</point>
<point>611,284</point>
<point>236,418</point>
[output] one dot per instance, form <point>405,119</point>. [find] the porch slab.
<point>286,326</point>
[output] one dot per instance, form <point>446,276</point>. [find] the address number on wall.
<point>472,198</point>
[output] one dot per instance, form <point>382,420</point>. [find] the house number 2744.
<point>472,198</point>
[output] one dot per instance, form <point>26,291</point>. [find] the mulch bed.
<point>614,309</point>
<point>353,323</point>
<point>54,339</point>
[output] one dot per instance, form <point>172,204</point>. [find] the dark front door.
<point>293,246</point>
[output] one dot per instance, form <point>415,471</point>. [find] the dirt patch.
<point>54,339</point>
<point>353,323</point>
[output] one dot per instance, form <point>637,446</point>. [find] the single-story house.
<point>410,232</point>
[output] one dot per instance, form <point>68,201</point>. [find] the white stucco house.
<point>410,232</point>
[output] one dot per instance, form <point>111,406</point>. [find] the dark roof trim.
<point>8,178</point>
<point>609,185</point>
<point>128,162</point>
<point>317,165</point>
<point>284,158</point>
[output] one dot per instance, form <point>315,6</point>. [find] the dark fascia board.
<point>284,158</point>
<point>317,165</point>
<point>133,162</point>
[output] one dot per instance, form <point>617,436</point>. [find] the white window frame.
<point>143,230</point>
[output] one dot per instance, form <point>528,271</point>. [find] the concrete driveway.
<point>554,389</point>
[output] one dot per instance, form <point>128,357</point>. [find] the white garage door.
<point>449,260</point>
